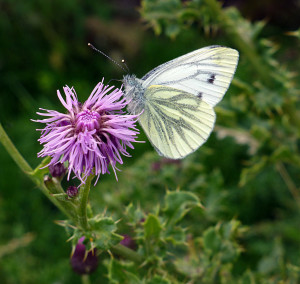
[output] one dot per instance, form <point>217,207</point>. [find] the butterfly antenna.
<point>93,47</point>
<point>123,61</point>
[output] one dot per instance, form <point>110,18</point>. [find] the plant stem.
<point>83,199</point>
<point>85,279</point>
<point>13,151</point>
<point>127,253</point>
<point>289,182</point>
<point>25,167</point>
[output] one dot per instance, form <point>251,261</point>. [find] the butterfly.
<point>176,99</point>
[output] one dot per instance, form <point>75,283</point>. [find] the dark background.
<point>43,46</point>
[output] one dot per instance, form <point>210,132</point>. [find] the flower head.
<point>90,136</point>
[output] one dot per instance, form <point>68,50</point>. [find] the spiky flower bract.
<point>89,136</point>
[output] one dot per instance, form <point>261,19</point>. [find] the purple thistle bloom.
<point>89,136</point>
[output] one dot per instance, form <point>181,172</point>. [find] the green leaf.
<point>40,171</point>
<point>176,235</point>
<point>212,241</point>
<point>102,233</point>
<point>133,214</point>
<point>247,278</point>
<point>178,204</point>
<point>158,280</point>
<point>172,30</point>
<point>152,227</point>
<point>122,272</point>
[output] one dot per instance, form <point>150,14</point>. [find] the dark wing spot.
<point>200,94</point>
<point>211,78</point>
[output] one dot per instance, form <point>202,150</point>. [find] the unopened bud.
<point>81,262</point>
<point>72,191</point>
<point>57,170</point>
<point>128,242</point>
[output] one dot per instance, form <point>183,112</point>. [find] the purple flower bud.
<point>79,263</point>
<point>128,242</point>
<point>72,191</point>
<point>57,170</point>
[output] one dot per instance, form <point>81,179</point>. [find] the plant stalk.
<point>127,253</point>
<point>83,199</point>
<point>25,167</point>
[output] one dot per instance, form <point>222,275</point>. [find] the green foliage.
<point>246,227</point>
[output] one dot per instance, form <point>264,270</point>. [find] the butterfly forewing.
<point>176,122</point>
<point>205,73</point>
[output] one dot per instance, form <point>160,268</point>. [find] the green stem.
<point>83,199</point>
<point>127,253</point>
<point>85,279</point>
<point>14,153</point>
<point>66,206</point>
<point>25,167</point>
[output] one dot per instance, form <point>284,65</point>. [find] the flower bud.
<point>72,191</point>
<point>83,262</point>
<point>128,242</point>
<point>57,170</point>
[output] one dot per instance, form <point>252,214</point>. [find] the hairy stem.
<point>25,167</point>
<point>13,151</point>
<point>85,279</point>
<point>83,199</point>
<point>127,253</point>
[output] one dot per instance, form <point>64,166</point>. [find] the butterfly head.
<point>129,80</point>
<point>134,93</point>
<point>132,85</point>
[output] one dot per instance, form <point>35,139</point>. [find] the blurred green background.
<point>43,46</point>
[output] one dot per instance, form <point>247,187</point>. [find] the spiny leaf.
<point>152,227</point>
<point>178,203</point>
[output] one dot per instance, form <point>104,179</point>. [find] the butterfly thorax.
<point>134,93</point>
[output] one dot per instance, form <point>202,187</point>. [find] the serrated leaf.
<point>122,272</point>
<point>152,227</point>
<point>134,215</point>
<point>247,278</point>
<point>177,205</point>
<point>158,280</point>
<point>212,241</point>
<point>172,30</point>
<point>176,235</point>
<point>102,232</point>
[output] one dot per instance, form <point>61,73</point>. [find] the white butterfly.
<point>177,98</point>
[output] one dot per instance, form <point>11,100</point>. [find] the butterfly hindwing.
<point>205,73</point>
<point>176,122</point>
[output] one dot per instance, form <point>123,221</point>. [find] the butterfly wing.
<point>177,123</point>
<point>206,73</point>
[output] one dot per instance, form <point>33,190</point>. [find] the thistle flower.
<point>90,136</point>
